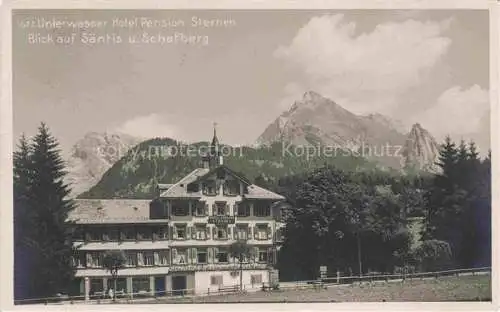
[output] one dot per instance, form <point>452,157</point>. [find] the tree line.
<point>360,222</point>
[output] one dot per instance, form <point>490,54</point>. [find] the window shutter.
<point>88,259</point>
<point>210,255</point>
<point>255,232</point>
<point>188,256</point>
<point>230,232</point>
<point>269,231</point>
<point>206,209</point>
<point>188,232</point>
<point>235,209</point>
<point>216,251</point>
<point>214,210</point>
<point>193,232</point>
<point>227,210</point>
<point>249,232</point>
<point>157,258</point>
<point>214,233</point>
<point>174,256</point>
<point>166,233</point>
<point>174,232</point>
<point>207,232</point>
<point>256,254</point>
<point>140,258</point>
<point>122,235</point>
<point>194,254</point>
<point>269,255</point>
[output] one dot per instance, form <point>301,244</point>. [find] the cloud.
<point>458,112</point>
<point>149,126</point>
<point>364,72</point>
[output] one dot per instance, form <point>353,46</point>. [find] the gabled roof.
<point>96,211</point>
<point>179,189</point>
<point>257,192</point>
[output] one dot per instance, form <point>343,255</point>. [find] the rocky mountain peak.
<point>93,155</point>
<point>420,150</point>
<point>311,96</point>
<point>315,119</point>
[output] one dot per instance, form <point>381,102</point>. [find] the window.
<point>200,208</point>
<point>148,258</point>
<point>262,255</point>
<point>201,256</point>
<point>121,284</point>
<point>241,232</point>
<point>261,232</point>
<point>79,260</point>
<point>179,256</point>
<point>256,279</point>
<point>216,280</point>
<point>105,236</point>
<point>94,235</point>
<point>131,259</point>
<point>180,208</point>
<point>193,187</point>
<point>243,210</point>
<point>221,256</point>
<point>140,284</point>
<point>96,285</point>
<point>209,188</point>
<point>160,233</point>
<point>181,231</point>
<point>220,232</point>
<point>220,208</point>
<point>261,210</point>
<point>94,259</point>
<point>78,234</point>
<point>129,234</point>
<point>114,234</point>
<point>231,188</point>
<point>161,258</point>
<point>144,233</point>
<point>201,232</point>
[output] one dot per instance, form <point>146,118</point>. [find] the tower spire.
<point>215,140</point>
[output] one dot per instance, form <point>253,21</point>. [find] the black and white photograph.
<point>276,156</point>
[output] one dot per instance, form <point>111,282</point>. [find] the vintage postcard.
<point>250,155</point>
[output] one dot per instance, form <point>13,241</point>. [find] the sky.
<point>426,66</point>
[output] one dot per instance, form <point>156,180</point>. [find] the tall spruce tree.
<point>23,255</point>
<point>458,202</point>
<point>49,207</point>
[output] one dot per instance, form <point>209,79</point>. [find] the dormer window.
<point>210,188</point>
<point>193,187</point>
<point>231,188</point>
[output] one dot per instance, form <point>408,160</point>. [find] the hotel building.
<point>178,242</point>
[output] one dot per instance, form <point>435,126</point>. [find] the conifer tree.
<point>50,238</point>
<point>23,257</point>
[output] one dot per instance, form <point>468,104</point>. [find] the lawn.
<point>463,288</point>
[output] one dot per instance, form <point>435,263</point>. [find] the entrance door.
<point>160,286</point>
<point>179,284</point>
